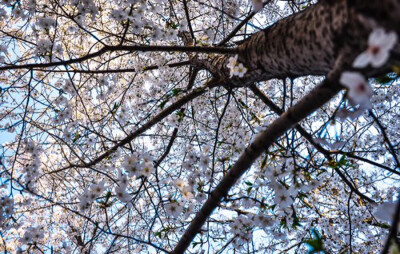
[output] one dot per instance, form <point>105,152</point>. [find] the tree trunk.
<point>308,42</point>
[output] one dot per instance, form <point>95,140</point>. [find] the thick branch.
<point>133,48</point>
<point>310,139</point>
<point>148,68</point>
<point>306,43</point>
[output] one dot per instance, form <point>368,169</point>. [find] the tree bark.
<point>308,42</point>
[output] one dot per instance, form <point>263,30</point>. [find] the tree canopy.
<point>199,126</point>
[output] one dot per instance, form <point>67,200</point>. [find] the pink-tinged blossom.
<point>173,209</point>
<point>147,169</point>
<point>236,68</point>
<point>232,61</point>
<point>131,165</point>
<point>204,161</point>
<point>283,199</point>
<point>32,235</point>
<point>263,221</point>
<point>181,185</point>
<point>97,189</point>
<point>343,113</point>
<point>200,197</point>
<point>187,194</point>
<point>121,194</point>
<point>239,70</point>
<point>359,90</point>
<point>379,45</point>
<point>122,180</point>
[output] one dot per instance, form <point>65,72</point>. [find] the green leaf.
<point>116,106</point>
<point>332,164</point>
<point>396,68</point>
<point>342,161</point>
<point>76,137</point>
<point>248,183</point>
<point>296,222</point>
<point>264,162</point>
<point>163,103</point>
<point>315,244</point>
<point>176,91</point>
<point>181,115</point>
<point>384,79</point>
<point>302,195</point>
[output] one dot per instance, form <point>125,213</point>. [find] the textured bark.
<point>302,44</point>
<point>385,13</point>
<point>308,42</point>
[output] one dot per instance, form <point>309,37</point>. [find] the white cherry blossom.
<point>380,44</point>
<point>173,209</point>
<point>359,91</point>
<point>236,68</point>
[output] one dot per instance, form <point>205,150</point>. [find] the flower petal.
<point>390,41</point>
<point>351,79</point>
<point>380,59</point>
<point>362,60</point>
<point>377,36</point>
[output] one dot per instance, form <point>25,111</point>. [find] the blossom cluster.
<point>236,68</point>
<point>90,194</point>
<point>69,87</point>
<point>134,165</point>
<point>121,189</point>
<point>3,53</point>
<point>43,46</point>
<point>6,209</point>
<point>139,21</point>
<point>32,235</point>
<point>46,22</point>
<point>173,209</point>
<point>31,169</point>
<point>185,188</point>
<point>242,227</point>
<point>286,192</point>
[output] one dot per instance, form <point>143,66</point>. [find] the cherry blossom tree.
<point>199,126</point>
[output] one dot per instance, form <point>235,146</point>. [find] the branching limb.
<point>311,102</point>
